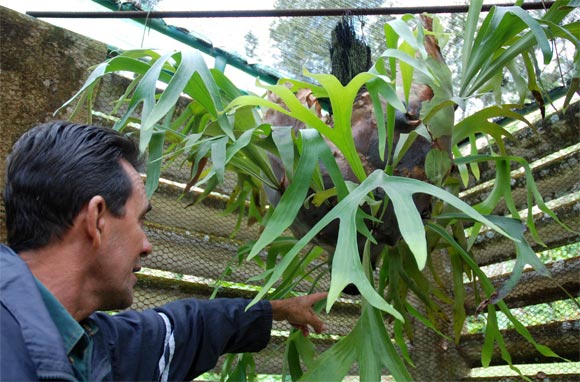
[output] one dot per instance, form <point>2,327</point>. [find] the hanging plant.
<point>369,209</point>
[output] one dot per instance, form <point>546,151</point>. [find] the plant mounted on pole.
<point>351,183</point>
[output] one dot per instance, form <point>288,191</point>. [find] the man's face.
<point>124,243</point>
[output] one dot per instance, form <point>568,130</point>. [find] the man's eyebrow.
<point>149,208</point>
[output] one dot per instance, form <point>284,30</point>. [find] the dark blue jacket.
<point>177,341</point>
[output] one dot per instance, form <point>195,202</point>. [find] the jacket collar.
<point>20,295</point>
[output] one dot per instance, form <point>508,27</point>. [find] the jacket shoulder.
<point>15,361</point>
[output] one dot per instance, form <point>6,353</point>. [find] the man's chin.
<point>119,303</point>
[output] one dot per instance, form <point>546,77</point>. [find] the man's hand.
<point>298,312</point>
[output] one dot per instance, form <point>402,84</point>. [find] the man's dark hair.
<point>53,172</point>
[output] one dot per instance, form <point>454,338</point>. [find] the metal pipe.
<point>276,12</point>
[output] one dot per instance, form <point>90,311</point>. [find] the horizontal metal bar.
<point>276,12</point>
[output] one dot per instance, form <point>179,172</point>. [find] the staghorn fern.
<point>222,124</point>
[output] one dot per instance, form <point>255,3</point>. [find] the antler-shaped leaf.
<point>346,267</point>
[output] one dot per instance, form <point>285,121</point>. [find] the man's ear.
<point>96,219</point>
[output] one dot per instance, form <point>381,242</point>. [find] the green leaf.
<point>524,332</point>
<point>218,157</point>
<point>502,188</point>
<point>406,70</point>
<point>295,109</point>
<point>145,93</point>
<point>244,370</point>
<point>459,314</point>
<point>537,30</point>
<point>317,91</point>
<point>117,63</point>
<point>382,87</point>
<point>298,347</point>
<point>346,263</point>
<point>282,136</point>
<point>498,29</point>
<point>342,99</point>
<point>225,84</point>
<point>371,351</point>
<point>321,196</point>
<point>410,45</point>
<point>524,255</point>
<point>491,332</point>
<point>533,84</point>
<point>413,62</point>
<point>333,364</point>
<point>402,29</point>
<point>519,81</point>
<point>437,165</point>
<point>377,350</point>
<point>463,172</point>
<point>293,359</point>
<point>154,162</point>
<point>293,197</point>
<point>469,34</point>
<point>305,348</point>
<point>403,145</point>
<point>401,342</point>
<point>439,111</point>
<point>379,116</point>
<point>153,112</point>
<point>347,267</point>
<point>204,89</point>
<point>252,156</point>
<point>425,321</point>
<point>435,109</point>
<point>479,123</point>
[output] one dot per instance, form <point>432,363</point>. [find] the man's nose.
<point>147,248</point>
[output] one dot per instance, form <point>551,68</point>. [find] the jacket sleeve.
<point>185,338</point>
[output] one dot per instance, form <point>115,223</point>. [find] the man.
<point>75,206</point>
